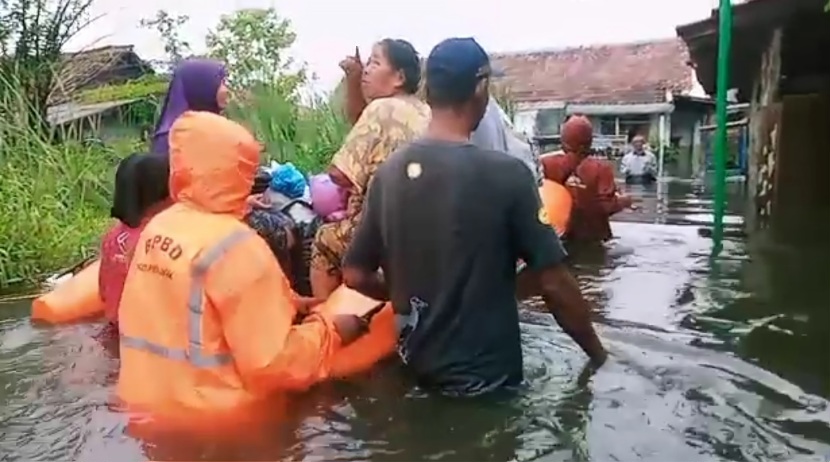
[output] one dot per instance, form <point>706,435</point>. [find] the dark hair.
<point>403,57</point>
<point>141,181</point>
<point>449,96</point>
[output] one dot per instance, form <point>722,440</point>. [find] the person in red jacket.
<point>590,180</point>
<point>141,191</point>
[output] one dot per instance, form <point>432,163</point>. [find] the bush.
<point>55,198</point>
<point>144,87</point>
<point>305,134</point>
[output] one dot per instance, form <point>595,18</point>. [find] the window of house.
<point>605,125</point>
<point>549,121</point>
<point>633,125</point>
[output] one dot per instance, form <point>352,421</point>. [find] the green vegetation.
<point>306,135</point>
<point>149,86</point>
<point>55,196</point>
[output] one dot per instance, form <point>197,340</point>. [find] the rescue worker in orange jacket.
<point>206,315</point>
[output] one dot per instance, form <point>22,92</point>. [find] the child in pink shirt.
<point>141,191</point>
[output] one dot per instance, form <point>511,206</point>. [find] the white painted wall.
<point>525,122</point>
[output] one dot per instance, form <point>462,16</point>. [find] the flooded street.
<point>721,359</point>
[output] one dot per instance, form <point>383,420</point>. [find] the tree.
<point>167,27</point>
<point>32,35</point>
<point>253,43</point>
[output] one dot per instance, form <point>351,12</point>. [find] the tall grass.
<point>55,196</point>
<point>305,134</point>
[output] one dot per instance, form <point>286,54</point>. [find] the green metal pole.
<point>724,45</point>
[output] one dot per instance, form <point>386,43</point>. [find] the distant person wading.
<point>639,165</point>
<point>590,181</point>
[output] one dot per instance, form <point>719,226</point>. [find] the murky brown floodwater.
<point>725,359</point>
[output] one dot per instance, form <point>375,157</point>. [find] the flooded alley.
<point>719,359</point>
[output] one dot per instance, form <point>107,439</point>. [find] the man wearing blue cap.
<point>452,220</point>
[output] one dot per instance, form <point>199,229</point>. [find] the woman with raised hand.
<point>393,117</point>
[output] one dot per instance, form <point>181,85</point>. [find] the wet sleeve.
<point>534,239</point>
<point>607,193</point>
<point>366,250</point>
<point>257,309</point>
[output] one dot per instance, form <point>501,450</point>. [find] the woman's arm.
<point>355,102</point>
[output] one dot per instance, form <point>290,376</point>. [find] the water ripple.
<point>712,360</point>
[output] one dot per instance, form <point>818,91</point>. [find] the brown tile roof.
<point>604,74</point>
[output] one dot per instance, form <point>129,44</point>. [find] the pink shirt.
<point>116,254</point>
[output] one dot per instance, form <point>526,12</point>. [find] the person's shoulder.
<point>402,155</point>
<point>595,166</point>
<point>378,108</point>
<point>252,248</point>
<point>506,165</point>
<point>598,161</point>
<point>555,159</point>
<point>394,159</point>
<point>397,104</point>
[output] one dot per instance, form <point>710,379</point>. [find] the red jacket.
<point>595,193</point>
<point>116,254</point>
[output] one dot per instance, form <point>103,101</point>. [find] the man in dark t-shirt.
<point>447,221</point>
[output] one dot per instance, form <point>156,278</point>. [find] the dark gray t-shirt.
<point>447,222</point>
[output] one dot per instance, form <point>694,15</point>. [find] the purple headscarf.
<point>193,88</point>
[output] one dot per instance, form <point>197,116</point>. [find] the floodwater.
<point>724,359</point>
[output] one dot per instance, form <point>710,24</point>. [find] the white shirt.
<point>495,132</point>
<point>639,164</point>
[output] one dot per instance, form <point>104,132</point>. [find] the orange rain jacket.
<point>206,313</point>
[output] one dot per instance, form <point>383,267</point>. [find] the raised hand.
<point>352,65</point>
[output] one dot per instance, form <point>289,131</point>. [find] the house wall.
<point>683,124</point>
<point>686,135</point>
<point>525,122</point>
<point>107,127</point>
<point>764,121</point>
<point>802,195</point>
<point>789,168</point>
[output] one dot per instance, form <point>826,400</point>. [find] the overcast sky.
<point>329,29</point>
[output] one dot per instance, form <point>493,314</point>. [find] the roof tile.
<point>628,73</point>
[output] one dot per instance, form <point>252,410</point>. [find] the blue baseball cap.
<point>456,65</point>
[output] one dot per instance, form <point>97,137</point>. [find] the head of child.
<point>141,183</point>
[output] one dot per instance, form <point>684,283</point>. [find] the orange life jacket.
<point>206,314</point>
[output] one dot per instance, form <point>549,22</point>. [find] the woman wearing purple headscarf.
<point>197,85</point>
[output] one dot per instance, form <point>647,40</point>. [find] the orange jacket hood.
<point>213,162</point>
